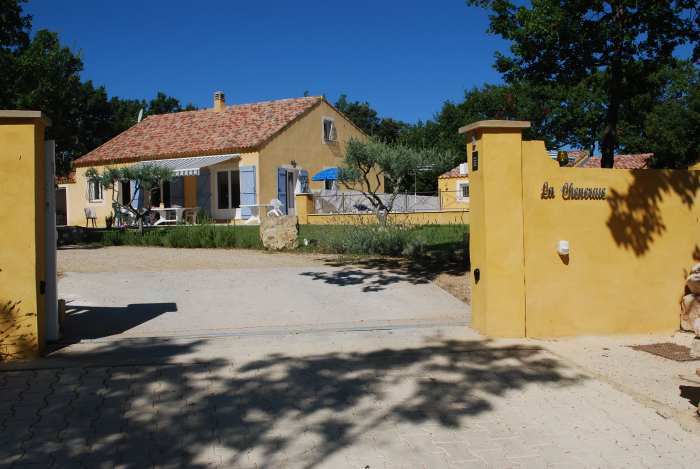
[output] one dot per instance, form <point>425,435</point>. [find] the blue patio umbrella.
<point>328,174</point>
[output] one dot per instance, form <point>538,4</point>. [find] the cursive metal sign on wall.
<point>571,192</point>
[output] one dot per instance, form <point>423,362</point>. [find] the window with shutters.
<point>329,133</point>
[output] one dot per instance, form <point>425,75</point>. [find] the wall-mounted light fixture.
<point>563,247</point>
<point>294,163</point>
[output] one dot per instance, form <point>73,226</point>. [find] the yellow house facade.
<point>453,187</point>
<point>229,161</point>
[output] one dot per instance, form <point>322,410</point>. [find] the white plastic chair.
<point>276,208</point>
<point>90,217</point>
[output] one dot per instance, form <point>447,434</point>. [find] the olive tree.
<point>369,167</point>
<point>146,178</point>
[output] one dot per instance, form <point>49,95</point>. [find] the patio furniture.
<point>255,213</point>
<point>276,211</point>
<point>90,217</point>
<point>171,215</point>
<point>189,215</point>
<point>122,216</point>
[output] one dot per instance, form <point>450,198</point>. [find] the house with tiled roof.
<point>226,160</point>
<point>583,159</point>
<point>625,161</point>
<point>453,188</point>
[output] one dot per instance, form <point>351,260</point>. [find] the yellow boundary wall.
<point>633,235</point>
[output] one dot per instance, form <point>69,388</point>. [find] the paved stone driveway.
<point>400,395</point>
<point>382,399</point>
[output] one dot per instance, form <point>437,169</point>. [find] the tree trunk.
<point>609,141</point>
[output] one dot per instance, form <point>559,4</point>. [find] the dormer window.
<point>329,132</point>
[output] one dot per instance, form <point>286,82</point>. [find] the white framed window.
<point>329,132</point>
<point>463,191</point>
<point>94,191</point>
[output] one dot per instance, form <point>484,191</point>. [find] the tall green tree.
<point>164,104</point>
<point>367,119</point>
<point>614,45</point>
<point>666,120</point>
<point>47,77</point>
<point>14,37</point>
<point>41,73</point>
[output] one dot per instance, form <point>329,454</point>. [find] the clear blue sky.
<point>403,56</point>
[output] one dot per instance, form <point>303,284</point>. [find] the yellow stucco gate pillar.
<point>563,251</point>
<point>496,227</point>
<point>22,232</point>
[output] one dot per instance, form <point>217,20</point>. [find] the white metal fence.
<point>356,202</point>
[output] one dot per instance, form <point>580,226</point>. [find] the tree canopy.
<point>600,53</point>
<point>41,73</point>
<point>146,179</point>
<point>587,74</point>
<point>367,166</point>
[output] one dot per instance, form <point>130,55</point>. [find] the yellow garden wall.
<point>629,251</point>
<point>22,247</point>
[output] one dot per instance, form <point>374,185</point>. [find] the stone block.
<point>279,233</point>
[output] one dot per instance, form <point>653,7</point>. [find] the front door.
<point>286,182</point>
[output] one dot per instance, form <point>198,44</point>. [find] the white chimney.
<point>219,101</point>
<point>463,169</point>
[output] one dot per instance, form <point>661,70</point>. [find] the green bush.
<point>200,236</point>
<point>390,240</point>
<point>437,241</point>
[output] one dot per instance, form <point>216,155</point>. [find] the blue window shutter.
<point>177,191</point>
<point>248,197</point>
<point>282,187</point>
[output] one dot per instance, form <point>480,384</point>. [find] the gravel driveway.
<point>386,377</point>
<point>158,292</point>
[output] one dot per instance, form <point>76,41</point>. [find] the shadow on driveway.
<point>378,273</point>
<point>94,322</point>
<point>285,410</point>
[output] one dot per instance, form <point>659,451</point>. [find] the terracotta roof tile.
<point>242,127</point>
<point>636,161</point>
<point>453,173</point>
<point>69,179</point>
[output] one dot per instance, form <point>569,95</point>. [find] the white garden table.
<point>255,212</point>
<point>166,215</point>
